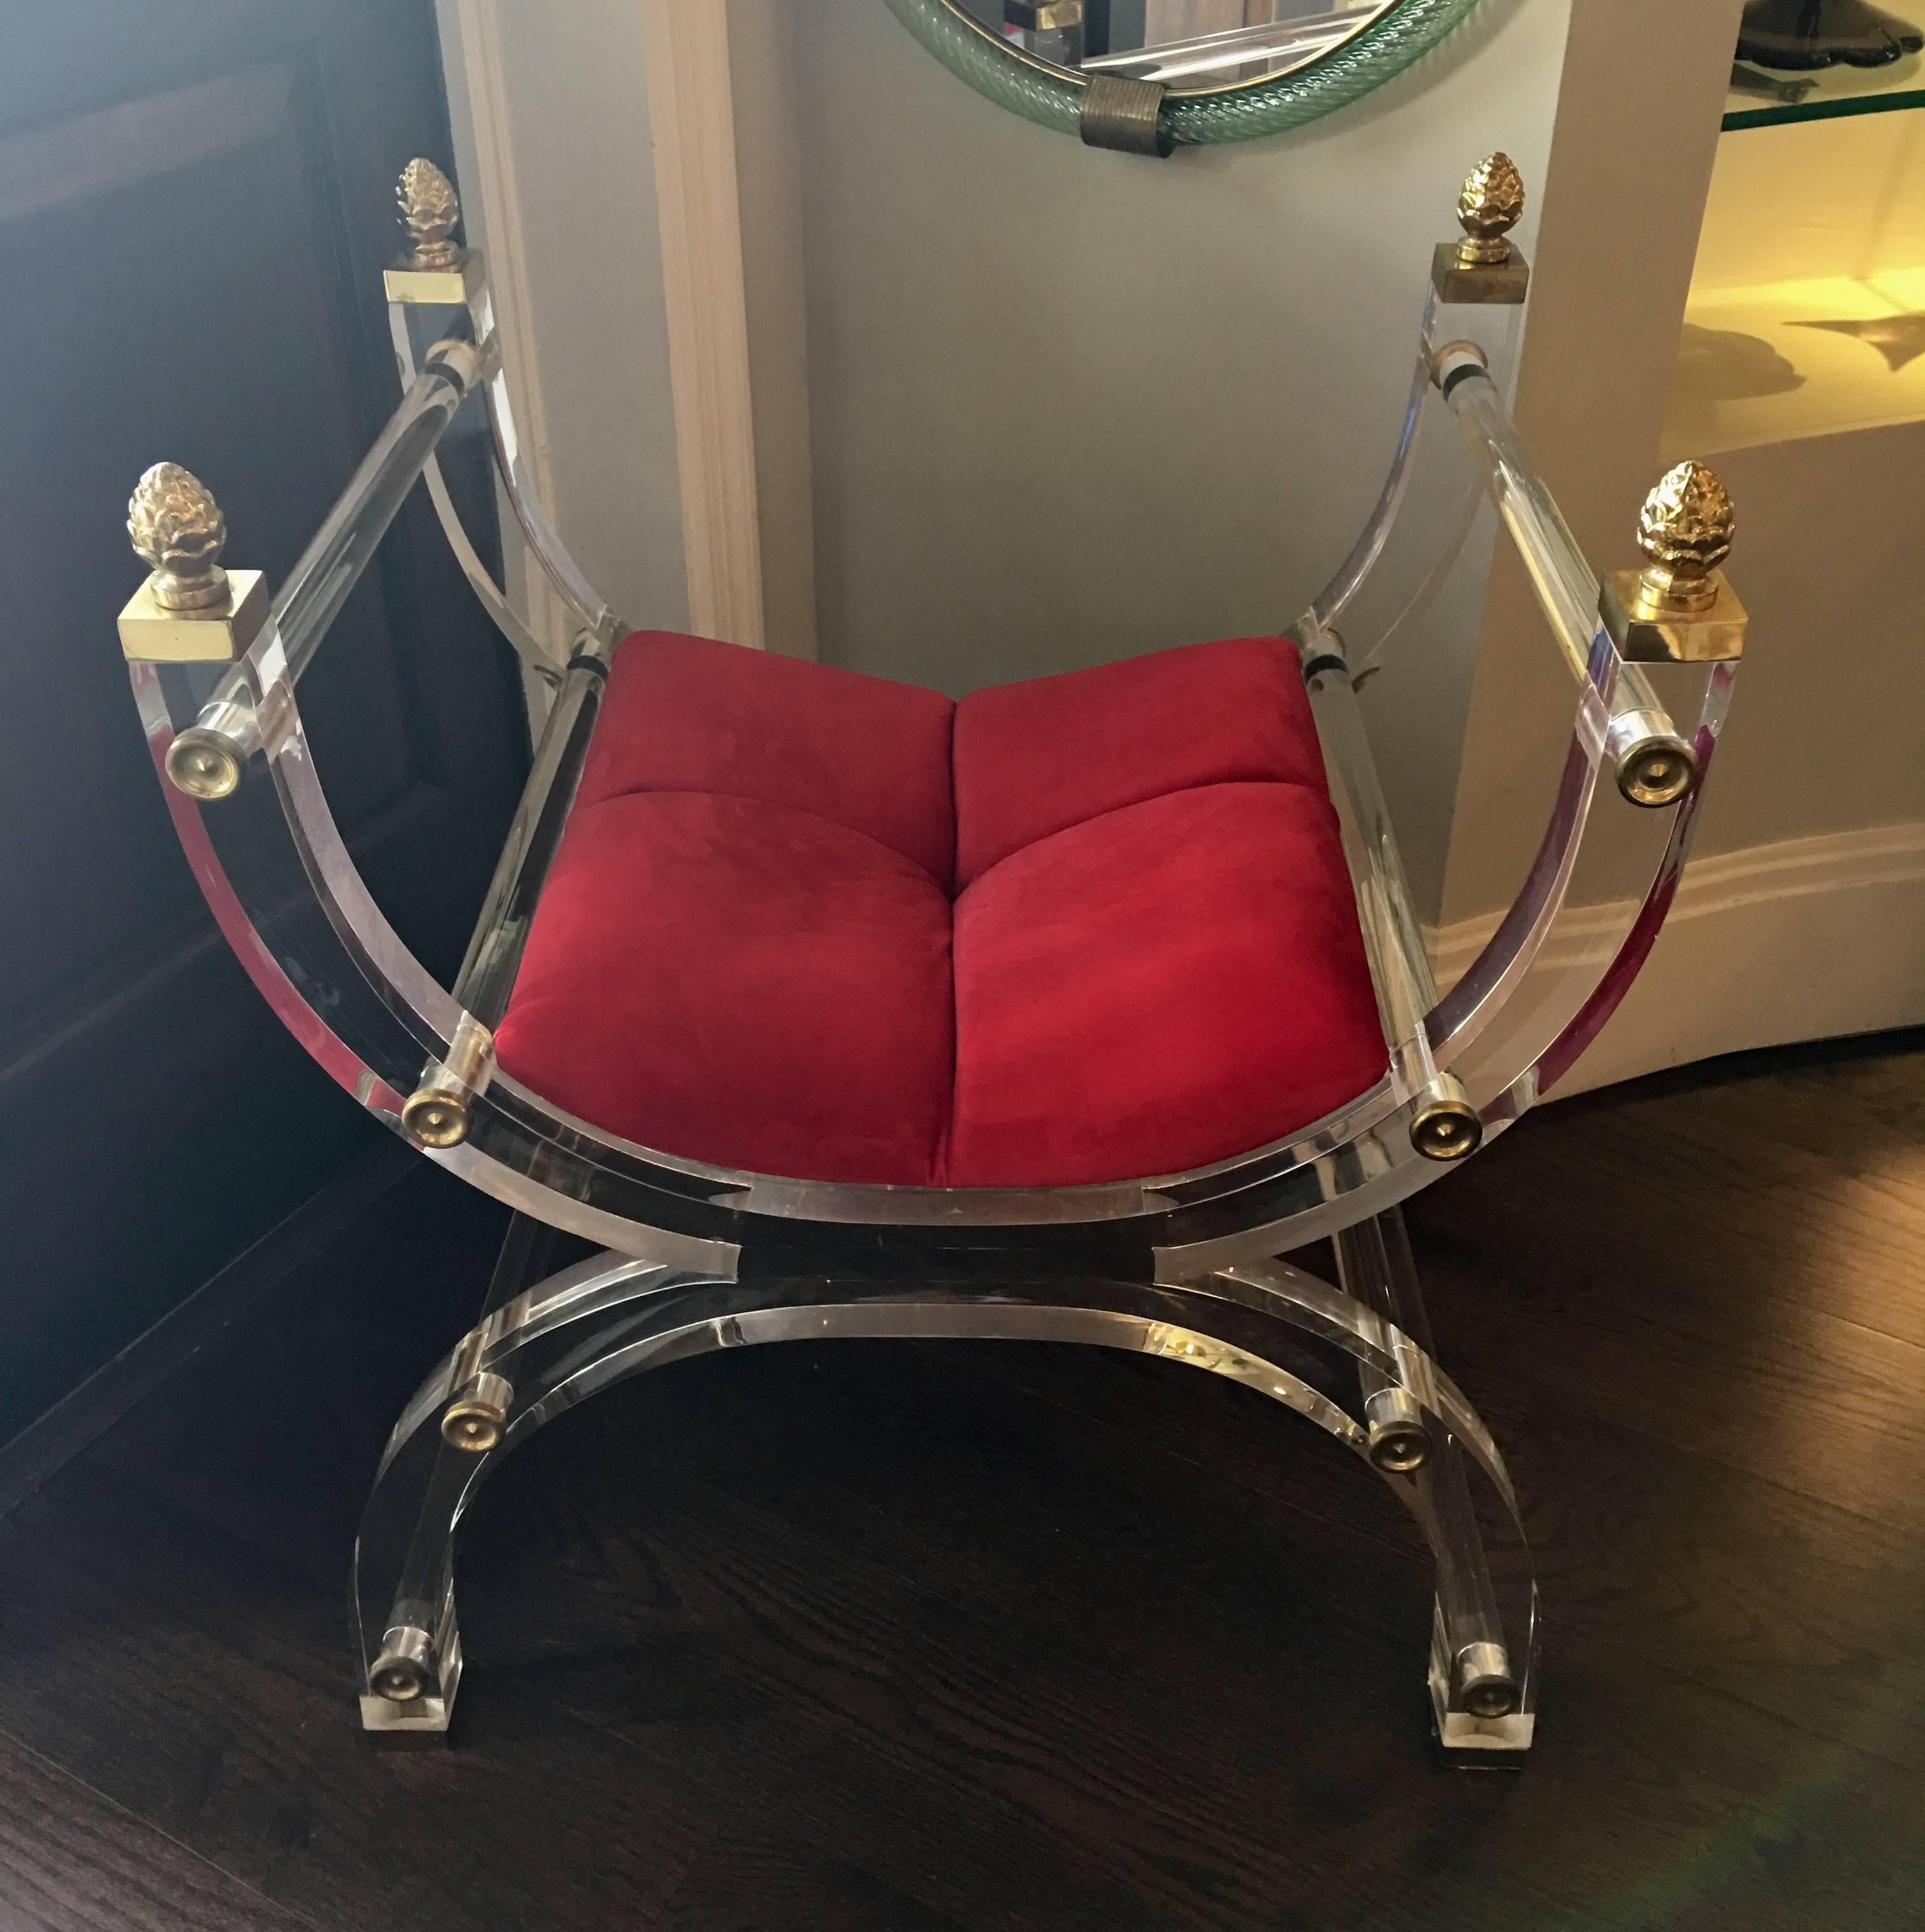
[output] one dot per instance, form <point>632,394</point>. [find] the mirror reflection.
<point>1188,44</point>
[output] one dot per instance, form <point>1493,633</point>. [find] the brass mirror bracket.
<point>1124,114</point>
<point>190,610</point>
<point>437,268</point>
<point>1680,608</point>
<point>1484,268</point>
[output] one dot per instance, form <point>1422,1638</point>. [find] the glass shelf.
<point>1830,94</point>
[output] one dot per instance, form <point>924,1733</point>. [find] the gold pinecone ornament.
<point>430,210</point>
<point>178,531</point>
<point>1685,529</point>
<point>1490,206</point>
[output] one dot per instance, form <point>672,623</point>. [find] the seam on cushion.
<point>768,804</point>
<point>945,1134</point>
<point>1320,791</point>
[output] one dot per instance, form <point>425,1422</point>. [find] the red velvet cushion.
<point>743,954</point>
<point>1158,987</point>
<point>1035,757</point>
<point>687,714</point>
<point>739,983</point>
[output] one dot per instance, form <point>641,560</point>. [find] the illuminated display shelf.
<point>1768,364</point>
<point>1833,93</point>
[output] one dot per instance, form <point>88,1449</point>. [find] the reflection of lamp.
<point>1800,35</point>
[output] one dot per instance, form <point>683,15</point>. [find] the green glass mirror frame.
<point>1053,98</point>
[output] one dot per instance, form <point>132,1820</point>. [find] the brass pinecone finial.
<point>1686,529</point>
<point>178,530</point>
<point>429,212</point>
<point>1490,206</point>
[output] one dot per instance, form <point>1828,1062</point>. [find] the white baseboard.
<point>1807,939</point>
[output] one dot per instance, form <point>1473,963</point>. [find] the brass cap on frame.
<point>190,609</point>
<point>1446,1126</point>
<point>436,1114</point>
<point>1489,206</point>
<point>1680,608</point>
<point>437,1117</point>
<point>203,764</point>
<point>436,269</point>
<point>1484,267</point>
<point>474,1420</point>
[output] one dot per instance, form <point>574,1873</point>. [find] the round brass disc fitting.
<point>474,1420</point>
<point>1446,1129</point>
<point>1656,772</point>
<point>1397,1448</point>
<point>1485,1683</point>
<point>436,1118</point>
<point>203,764</point>
<point>403,1671</point>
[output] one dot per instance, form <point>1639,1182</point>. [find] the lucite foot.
<point>413,1678</point>
<point>1474,1709</point>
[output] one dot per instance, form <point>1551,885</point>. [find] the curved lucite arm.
<point>1428,506</point>
<point>587,603</point>
<point>507,619</point>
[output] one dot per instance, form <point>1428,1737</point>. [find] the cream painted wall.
<point>1068,406</point>
<point>566,87</point>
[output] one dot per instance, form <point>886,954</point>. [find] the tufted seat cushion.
<point>1089,927</point>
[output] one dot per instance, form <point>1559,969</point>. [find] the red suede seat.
<point>1089,927</point>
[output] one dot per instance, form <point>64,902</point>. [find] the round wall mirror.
<point>1151,75</point>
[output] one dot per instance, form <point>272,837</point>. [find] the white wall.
<point>1068,406</point>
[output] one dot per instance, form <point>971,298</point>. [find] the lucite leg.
<point>570,1338</point>
<point>404,1599</point>
<point>1479,1697</point>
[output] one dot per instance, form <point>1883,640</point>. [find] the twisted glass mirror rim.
<point>1247,113</point>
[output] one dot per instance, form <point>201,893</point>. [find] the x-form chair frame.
<point>696,1257</point>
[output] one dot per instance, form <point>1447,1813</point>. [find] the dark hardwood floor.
<point>928,1638</point>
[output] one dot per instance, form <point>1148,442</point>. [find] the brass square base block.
<point>150,633</point>
<point>450,288</point>
<point>1645,635</point>
<point>1489,284</point>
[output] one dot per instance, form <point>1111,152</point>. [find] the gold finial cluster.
<point>179,532</point>
<point>1490,206</point>
<point>1686,530</point>
<point>429,212</point>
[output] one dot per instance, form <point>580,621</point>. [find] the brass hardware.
<point>437,268</point>
<point>202,764</point>
<point>474,1420</point>
<point>1680,608</point>
<point>1446,1127</point>
<point>1490,205</point>
<point>1485,267</point>
<point>1398,1443</point>
<point>429,209</point>
<point>1654,766</point>
<point>1484,1685</point>
<point>189,610</point>
<point>1124,114</point>
<point>436,1113</point>
<point>1042,16</point>
<point>405,1669</point>
<point>178,530</point>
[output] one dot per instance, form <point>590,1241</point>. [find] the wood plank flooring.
<point>885,1638</point>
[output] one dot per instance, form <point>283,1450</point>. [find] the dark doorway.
<point>196,203</point>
